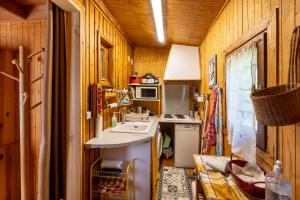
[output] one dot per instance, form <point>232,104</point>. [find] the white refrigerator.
<point>186,144</point>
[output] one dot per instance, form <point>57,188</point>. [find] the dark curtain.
<point>57,186</point>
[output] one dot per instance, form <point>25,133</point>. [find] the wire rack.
<point>107,185</point>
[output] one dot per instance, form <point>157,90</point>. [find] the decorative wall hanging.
<point>212,71</point>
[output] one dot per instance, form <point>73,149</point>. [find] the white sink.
<point>133,127</point>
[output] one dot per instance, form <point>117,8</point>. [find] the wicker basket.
<point>280,105</point>
<point>249,189</point>
<point>277,106</point>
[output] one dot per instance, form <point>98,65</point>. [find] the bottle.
<point>277,187</point>
<point>114,121</point>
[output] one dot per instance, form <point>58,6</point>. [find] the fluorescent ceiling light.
<point>157,12</point>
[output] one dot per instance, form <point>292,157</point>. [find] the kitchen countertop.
<point>114,140</point>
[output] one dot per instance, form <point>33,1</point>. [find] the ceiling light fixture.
<point>158,18</point>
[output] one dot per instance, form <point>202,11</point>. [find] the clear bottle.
<point>277,187</point>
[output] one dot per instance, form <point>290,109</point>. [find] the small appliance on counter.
<point>148,92</point>
<point>135,79</point>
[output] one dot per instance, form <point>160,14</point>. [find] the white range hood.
<point>183,63</point>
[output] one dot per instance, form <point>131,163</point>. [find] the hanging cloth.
<point>241,70</point>
<point>209,137</point>
<point>218,123</point>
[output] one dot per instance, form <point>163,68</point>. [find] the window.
<point>245,70</point>
<point>104,60</point>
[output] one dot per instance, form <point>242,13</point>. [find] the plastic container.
<point>277,187</point>
<point>114,121</point>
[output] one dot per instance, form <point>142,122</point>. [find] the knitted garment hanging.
<point>209,137</point>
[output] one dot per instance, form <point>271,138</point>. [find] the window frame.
<point>262,80</point>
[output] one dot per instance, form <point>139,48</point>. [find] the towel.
<point>215,163</point>
<point>209,137</point>
<point>219,123</point>
<point>112,164</point>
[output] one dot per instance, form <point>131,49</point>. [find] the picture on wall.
<point>212,71</point>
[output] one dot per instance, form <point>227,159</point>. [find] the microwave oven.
<point>146,92</point>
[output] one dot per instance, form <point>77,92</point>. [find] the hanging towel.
<point>209,137</point>
<point>218,123</point>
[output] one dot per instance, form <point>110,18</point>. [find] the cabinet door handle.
<point>1,156</point>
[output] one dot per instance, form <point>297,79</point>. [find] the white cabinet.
<point>186,144</point>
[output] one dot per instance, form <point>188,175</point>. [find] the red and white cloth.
<point>209,137</point>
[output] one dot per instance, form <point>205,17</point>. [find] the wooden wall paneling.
<point>231,22</point>
<point>239,18</point>
<point>37,110</point>
<point>86,153</point>
<point>97,47</point>
<point>31,34</point>
<point>251,13</point>
<point>258,11</point>
<point>297,159</point>
<point>9,98</point>
<point>235,19</point>
<point>266,8</point>
<point>32,101</point>
<point>10,172</point>
<point>153,60</point>
<point>101,24</point>
<point>245,16</point>
<point>3,183</point>
<point>288,132</point>
<point>297,163</point>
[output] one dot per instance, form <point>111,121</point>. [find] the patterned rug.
<point>174,184</point>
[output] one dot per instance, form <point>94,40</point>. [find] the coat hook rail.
<point>35,53</point>
<point>9,76</point>
<point>15,62</point>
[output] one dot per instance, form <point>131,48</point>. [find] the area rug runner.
<point>174,184</point>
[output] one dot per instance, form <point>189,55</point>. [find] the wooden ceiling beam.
<point>14,8</point>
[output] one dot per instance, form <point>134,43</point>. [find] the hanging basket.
<point>280,105</point>
<point>277,106</point>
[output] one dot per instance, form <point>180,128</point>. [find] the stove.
<point>175,117</point>
<point>168,116</point>
<point>178,116</point>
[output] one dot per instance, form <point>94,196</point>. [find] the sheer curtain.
<point>241,73</point>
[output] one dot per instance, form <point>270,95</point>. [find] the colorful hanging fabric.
<point>218,123</point>
<point>209,137</point>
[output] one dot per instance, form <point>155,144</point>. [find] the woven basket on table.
<point>280,105</point>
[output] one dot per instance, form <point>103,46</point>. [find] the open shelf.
<point>143,84</point>
<point>155,100</point>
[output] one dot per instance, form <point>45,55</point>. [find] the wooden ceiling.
<point>185,21</point>
<point>20,9</point>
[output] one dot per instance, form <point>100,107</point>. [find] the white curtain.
<point>241,73</point>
